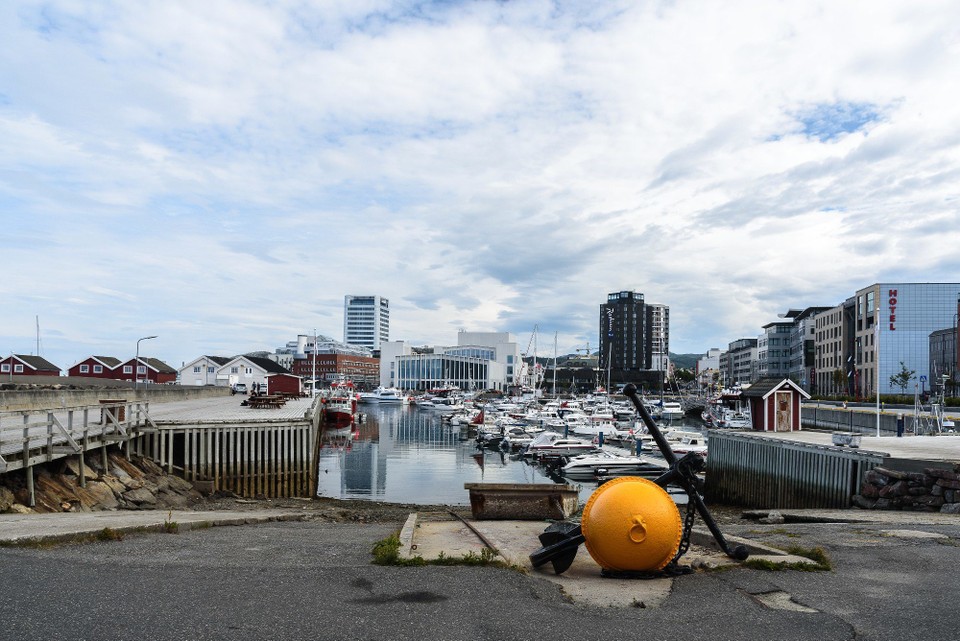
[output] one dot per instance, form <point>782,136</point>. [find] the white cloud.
<point>223,173</point>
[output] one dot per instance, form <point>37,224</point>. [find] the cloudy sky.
<point>222,173</point>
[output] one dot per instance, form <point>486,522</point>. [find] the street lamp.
<point>136,365</point>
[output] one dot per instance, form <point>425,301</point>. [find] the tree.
<point>902,378</point>
<point>840,380</point>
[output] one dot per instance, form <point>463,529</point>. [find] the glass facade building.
<point>893,324</point>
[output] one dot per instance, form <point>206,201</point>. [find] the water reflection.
<point>402,454</point>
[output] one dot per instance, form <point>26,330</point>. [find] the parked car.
<point>240,388</point>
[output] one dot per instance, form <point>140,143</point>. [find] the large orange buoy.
<point>631,524</point>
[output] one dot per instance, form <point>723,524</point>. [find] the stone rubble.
<point>137,484</point>
<point>933,490</point>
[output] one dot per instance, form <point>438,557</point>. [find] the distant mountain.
<point>685,361</point>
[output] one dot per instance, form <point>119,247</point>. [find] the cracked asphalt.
<point>314,580</point>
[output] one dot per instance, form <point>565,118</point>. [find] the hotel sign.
<point>892,302</point>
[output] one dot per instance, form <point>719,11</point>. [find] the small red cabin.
<point>96,367</point>
<point>284,383</point>
<point>775,404</point>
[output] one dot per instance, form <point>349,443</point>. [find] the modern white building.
<point>659,328</point>
<point>479,360</point>
<point>366,321</point>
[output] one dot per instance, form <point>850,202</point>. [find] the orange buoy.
<point>631,524</point>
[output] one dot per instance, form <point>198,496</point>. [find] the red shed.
<point>775,404</point>
<point>286,383</point>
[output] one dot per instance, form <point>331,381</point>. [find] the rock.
<point>950,508</point>
<point>882,504</point>
<point>772,517</point>
<point>171,500</point>
<point>140,496</point>
<point>179,485</point>
<point>148,466</point>
<point>7,499</point>
<point>937,490</point>
<point>934,501</point>
<point>98,496</point>
<point>941,473</point>
<point>893,474</point>
<point>918,491</point>
<point>950,496</point>
<point>876,478</point>
<point>72,464</point>
<point>19,508</point>
<point>917,477</point>
<point>863,502</point>
<point>953,485</point>
<point>118,461</point>
<point>870,491</point>
<point>114,484</point>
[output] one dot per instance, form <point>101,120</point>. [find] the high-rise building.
<point>366,321</point>
<point>623,320</point>
<point>634,337</point>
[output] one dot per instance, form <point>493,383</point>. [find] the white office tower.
<point>366,321</point>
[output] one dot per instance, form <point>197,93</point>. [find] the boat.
<point>603,462</point>
<point>384,395</point>
<point>340,405</point>
<point>553,444</point>
<point>696,444</point>
<point>670,411</point>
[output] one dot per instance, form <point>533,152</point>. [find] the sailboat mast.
<point>555,364</point>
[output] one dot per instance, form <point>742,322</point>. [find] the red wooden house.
<point>775,404</point>
<point>26,365</point>
<point>151,370</point>
<point>96,367</point>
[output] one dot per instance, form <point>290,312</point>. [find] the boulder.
<point>98,496</point>
<point>892,474</point>
<point>72,465</point>
<point>140,497</point>
<point>7,499</point>
<point>948,483</point>
<point>950,508</point>
<point>19,508</point>
<point>876,478</point>
<point>941,473</point>
<point>863,502</point>
<point>870,491</point>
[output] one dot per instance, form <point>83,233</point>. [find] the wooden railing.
<point>31,437</point>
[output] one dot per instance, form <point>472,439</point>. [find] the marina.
<point>405,454</point>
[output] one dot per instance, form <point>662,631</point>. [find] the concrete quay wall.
<point>43,399</point>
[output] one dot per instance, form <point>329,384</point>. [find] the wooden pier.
<point>215,443</point>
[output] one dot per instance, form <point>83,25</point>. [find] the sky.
<point>221,174</point>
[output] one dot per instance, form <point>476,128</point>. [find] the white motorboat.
<point>604,462</point>
<point>696,444</point>
<point>384,395</point>
<point>671,411</point>
<point>553,444</point>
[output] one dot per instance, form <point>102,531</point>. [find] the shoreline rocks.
<point>137,484</point>
<point>933,490</point>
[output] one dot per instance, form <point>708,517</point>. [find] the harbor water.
<point>402,454</point>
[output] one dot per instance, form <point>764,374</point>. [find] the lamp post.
<point>136,365</point>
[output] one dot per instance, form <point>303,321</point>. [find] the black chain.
<point>687,529</point>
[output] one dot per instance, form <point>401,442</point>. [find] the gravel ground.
<point>341,511</point>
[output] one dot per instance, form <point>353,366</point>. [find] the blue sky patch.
<point>828,121</point>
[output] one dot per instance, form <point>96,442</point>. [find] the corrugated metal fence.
<point>759,472</point>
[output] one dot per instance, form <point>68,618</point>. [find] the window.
<point>234,370</point>
<point>211,370</point>
<point>141,369</point>
<point>196,370</point>
<point>5,367</point>
<point>98,369</point>
<point>18,369</point>
<point>84,369</point>
<point>128,369</point>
